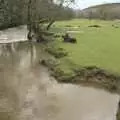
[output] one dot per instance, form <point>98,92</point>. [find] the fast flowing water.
<point>27,92</point>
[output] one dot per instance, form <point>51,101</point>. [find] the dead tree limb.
<point>50,24</point>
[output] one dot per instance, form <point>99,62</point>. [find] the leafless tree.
<point>36,15</point>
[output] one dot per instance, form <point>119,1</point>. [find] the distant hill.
<point>105,11</point>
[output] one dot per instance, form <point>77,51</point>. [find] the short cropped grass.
<point>95,46</point>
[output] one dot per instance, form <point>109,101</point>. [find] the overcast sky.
<point>81,4</point>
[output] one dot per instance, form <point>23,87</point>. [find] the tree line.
<point>15,12</point>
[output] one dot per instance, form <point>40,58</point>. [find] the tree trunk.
<point>29,21</point>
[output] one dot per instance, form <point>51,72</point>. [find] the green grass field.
<point>95,46</point>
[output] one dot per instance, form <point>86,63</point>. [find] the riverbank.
<point>93,61</point>
<point>88,75</point>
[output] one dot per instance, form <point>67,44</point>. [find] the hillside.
<point>106,11</point>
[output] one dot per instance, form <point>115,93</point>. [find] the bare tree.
<point>36,22</point>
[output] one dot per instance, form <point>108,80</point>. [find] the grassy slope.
<point>96,46</point>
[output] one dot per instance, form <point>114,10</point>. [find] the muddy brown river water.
<point>28,92</point>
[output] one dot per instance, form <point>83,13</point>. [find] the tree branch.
<point>50,24</point>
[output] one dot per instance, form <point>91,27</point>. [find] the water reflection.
<point>27,92</point>
<point>17,53</point>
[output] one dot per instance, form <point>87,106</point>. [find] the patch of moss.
<point>50,63</point>
<point>57,52</point>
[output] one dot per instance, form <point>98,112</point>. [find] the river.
<point>28,92</point>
